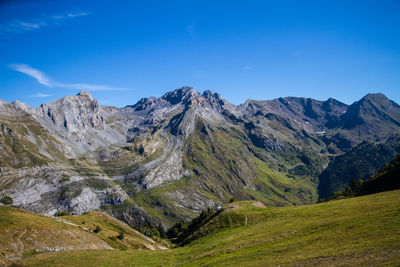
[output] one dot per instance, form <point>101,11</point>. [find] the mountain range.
<point>166,159</point>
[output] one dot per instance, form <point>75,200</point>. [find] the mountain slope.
<point>387,178</point>
<point>166,159</point>
<point>360,162</point>
<point>313,114</point>
<point>374,118</point>
<point>374,112</point>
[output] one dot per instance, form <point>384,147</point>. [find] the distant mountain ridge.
<point>165,159</point>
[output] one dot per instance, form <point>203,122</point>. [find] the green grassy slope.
<point>111,230</point>
<point>349,232</point>
<point>23,234</point>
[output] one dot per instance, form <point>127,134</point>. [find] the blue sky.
<point>124,50</point>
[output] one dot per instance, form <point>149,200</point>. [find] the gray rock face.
<point>177,154</point>
<point>48,189</point>
<point>72,114</point>
<point>79,122</point>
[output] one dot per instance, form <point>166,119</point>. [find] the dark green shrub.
<point>160,229</point>
<point>62,213</point>
<point>97,229</point>
<point>30,253</point>
<point>6,200</point>
<point>121,236</point>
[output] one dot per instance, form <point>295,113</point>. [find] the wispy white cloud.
<point>20,26</point>
<point>40,95</point>
<point>34,73</point>
<point>80,14</point>
<point>246,67</point>
<point>42,78</point>
<point>69,15</point>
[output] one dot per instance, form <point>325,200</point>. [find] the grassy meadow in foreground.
<point>349,232</point>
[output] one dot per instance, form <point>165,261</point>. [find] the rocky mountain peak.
<point>85,93</point>
<point>373,113</point>
<point>333,105</point>
<point>72,113</point>
<point>209,94</point>
<point>374,97</point>
<point>372,103</point>
<point>216,101</point>
<point>185,95</point>
<point>23,106</point>
<point>145,103</point>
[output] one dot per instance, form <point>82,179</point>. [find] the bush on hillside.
<point>6,200</point>
<point>62,213</point>
<point>121,236</point>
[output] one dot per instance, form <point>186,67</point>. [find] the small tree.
<point>97,229</point>
<point>355,185</point>
<point>161,231</point>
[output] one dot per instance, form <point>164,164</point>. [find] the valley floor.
<point>350,232</point>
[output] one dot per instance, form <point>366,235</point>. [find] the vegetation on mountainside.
<point>387,178</point>
<point>226,160</point>
<point>356,231</point>
<point>181,231</point>
<point>6,200</point>
<point>223,161</point>
<point>360,162</point>
<point>19,149</point>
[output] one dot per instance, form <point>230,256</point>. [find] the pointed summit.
<point>373,115</point>
<point>375,97</point>
<point>370,107</point>
<point>85,93</point>
<point>182,95</point>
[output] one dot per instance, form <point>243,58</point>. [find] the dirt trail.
<point>72,224</point>
<point>17,243</point>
